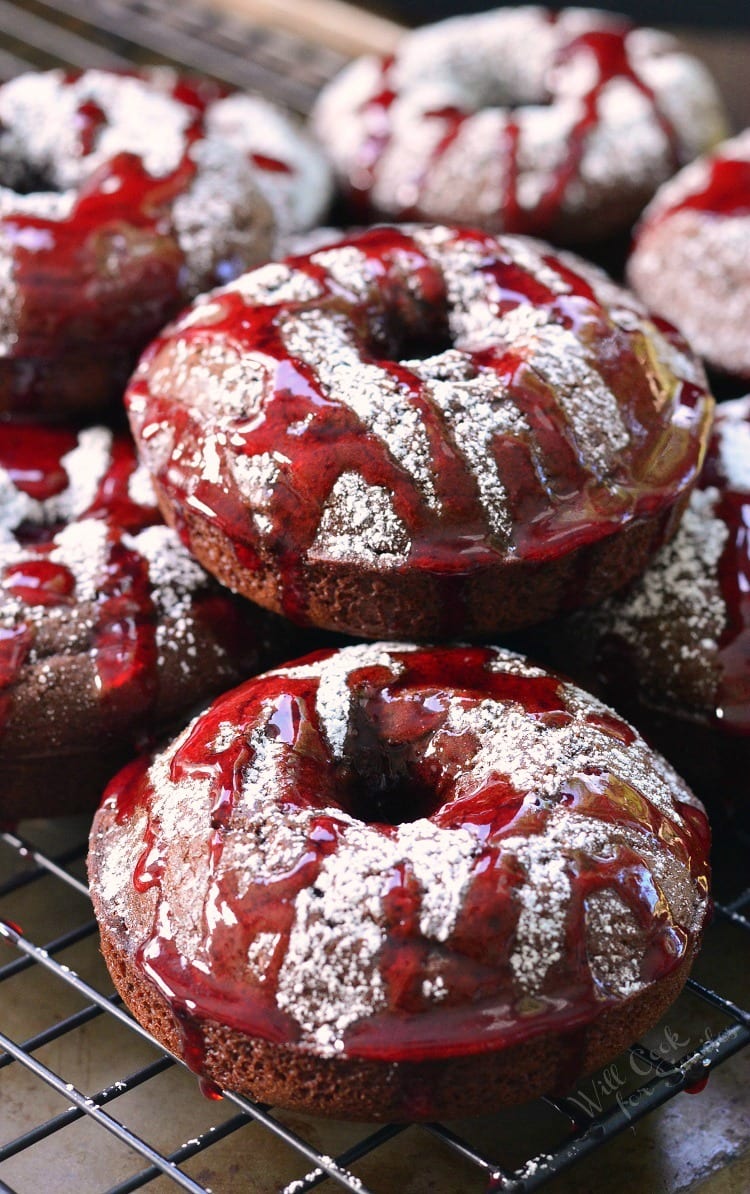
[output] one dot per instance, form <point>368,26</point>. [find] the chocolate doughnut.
<point>421,432</point>
<point>673,651</point>
<point>558,124</point>
<point>110,633</point>
<point>397,883</point>
<point>122,197</point>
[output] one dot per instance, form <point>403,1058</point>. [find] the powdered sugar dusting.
<point>270,136</point>
<point>141,487</point>
<point>732,430</point>
<point>83,548</point>
<point>334,698</point>
<point>676,610</point>
<point>326,343</point>
<point>360,525</point>
<point>558,357</point>
<point>476,411</point>
<point>174,574</point>
<point>274,283</point>
<point>516,75</point>
<point>40,125</point>
<point>221,218</point>
<point>330,977</point>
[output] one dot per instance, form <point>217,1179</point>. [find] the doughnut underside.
<point>358,1089</point>
<point>375,603</point>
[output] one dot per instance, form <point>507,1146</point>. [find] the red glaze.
<point>39,582</point>
<point>612,61</point>
<point>273,165</point>
<point>726,193</point>
<point>122,636</point>
<point>730,713</point>
<point>121,211</point>
<point>33,459</point>
<point>393,722</point>
<point>566,509</point>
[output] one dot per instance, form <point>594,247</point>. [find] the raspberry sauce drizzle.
<point>112,263</point>
<point>399,714</point>
<point>121,617</point>
<point>555,502</point>
<point>726,193</point>
<point>609,50</point>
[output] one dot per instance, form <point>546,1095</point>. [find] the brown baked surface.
<point>357,1089</point>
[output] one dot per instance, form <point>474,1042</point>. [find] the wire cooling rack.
<point>87,1101</point>
<point>53,963</point>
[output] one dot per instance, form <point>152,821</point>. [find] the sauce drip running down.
<point>92,540</point>
<point>540,456</point>
<point>408,723</point>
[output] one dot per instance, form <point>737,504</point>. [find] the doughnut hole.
<point>26,178</point>
<point>384,777</point>
<point>380,786</point>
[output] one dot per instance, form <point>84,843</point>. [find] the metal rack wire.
<point>45,869</point>
<point>586,1127</point>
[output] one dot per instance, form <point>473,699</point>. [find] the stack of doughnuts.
<point>394,879</point>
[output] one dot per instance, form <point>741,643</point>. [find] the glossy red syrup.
<point>90,120</point>
<point>272,165</point>
<point>112,270</point>
<point>557,504</point>
<point>612,60</point>
<point>393,722</point>
<point>33,459</point>
<point>122,642</point>
<point>39,582</point>
<point>727,193</point>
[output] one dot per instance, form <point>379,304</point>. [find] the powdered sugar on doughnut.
<point>326,970</point>
<point>379,400</point>
<point>359,524</point>
<point>689,259</point>
<point>289,168</point>
<point>39,114</point>
<point>519,119</point>
<point>732,432</point>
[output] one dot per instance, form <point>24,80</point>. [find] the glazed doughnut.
<point>397,883</point>
<point>121,199</point>
<point>109,631</point>
<point>691,256</point>
<point>519,120</point>
<point>674,650</point>
<point>422,432</point>
<point>290,169</point>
